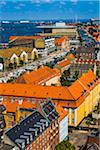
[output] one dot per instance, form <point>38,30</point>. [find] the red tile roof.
<point>71,96</point>
<point>64,63</point>
<point>13,106</point>
<point>39,76</point>
<point>62,113</point>
<point>12,38</point>
<point>29,90</point>
<point>59,41</point>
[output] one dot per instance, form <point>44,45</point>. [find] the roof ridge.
<point>70,93</point>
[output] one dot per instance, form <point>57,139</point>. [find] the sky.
<point>48,9</point>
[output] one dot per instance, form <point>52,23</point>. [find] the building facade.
<point>79,99</point>
<point>34,133</point>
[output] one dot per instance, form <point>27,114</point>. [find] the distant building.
<point>80,68</point>
<point>86,53</point>
<point>63,65</point>
<point>60,27</point>
<point>16,54</point>
<point>43,44</point>
<point>62,43</point>
<point>95,21</point>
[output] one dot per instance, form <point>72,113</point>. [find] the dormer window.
<point>28,99</point>
<point>1,99</point>
<point>91,83</point>
<point>12,99</point>
<point>96,78</point>
<point>88,85</point>
<point>33,101</point>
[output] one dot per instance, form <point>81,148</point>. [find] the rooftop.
<point>13,38</point>
<point>35,91</point>
<point>49,110</point>
<point>58,27</point>
<point>64,63</point>
<point>73,95</point>
<point>39,76</point>
<point>27,130</point>
<point>62,113</point>
<point>85,50</point>
<point>7,53</point>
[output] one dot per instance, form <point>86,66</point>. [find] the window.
<point>11,99</point>
<point>1,98</point>
<point>5,97</point>
<point>28,99</point>
<point>33,101</point>
<point>73,120</point>
<point>72,111</point>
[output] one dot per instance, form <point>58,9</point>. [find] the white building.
<point>48,48</point>
<point>98,55</point>
<point>63,125</point>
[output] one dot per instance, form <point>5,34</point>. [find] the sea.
<point>23,28</point>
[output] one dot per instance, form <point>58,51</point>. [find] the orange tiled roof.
<point>71,56</point>
<point>88,78</point>
<point>64,63</point>
<point>34,91</point>
<point>65,96</point>
<point>12,106</point>
<point>59,41</point>
<point>62,113</point>
<point>76,89</point>
<point>39,76</point>
<point>12,38</point>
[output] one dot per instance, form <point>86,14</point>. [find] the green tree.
<point>88,122</point>
<point>76,74</point>
<point>67,73</point>
<point>65,145</point>
<point>49,65</point>
<point>64,78</point>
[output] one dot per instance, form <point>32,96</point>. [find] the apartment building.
<point>63,123</point>
<point>79,99</point>
<point>62,43</point>
<point>15,55</point>
<point>59,28</point>
<point>63,65</point>
<point>43,44</point>
<point>86,53</point>
<point>33,132</point>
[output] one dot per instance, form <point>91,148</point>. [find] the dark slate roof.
<point>28,109</point>
<point>2,108</point>
<point>28,129</point>
<point>86,50</point>
<point>50,111</point>
<point>2,122</point>
<point>82,66</point>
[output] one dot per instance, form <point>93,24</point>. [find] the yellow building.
<point>16,54</point>
<point>86,91</point>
